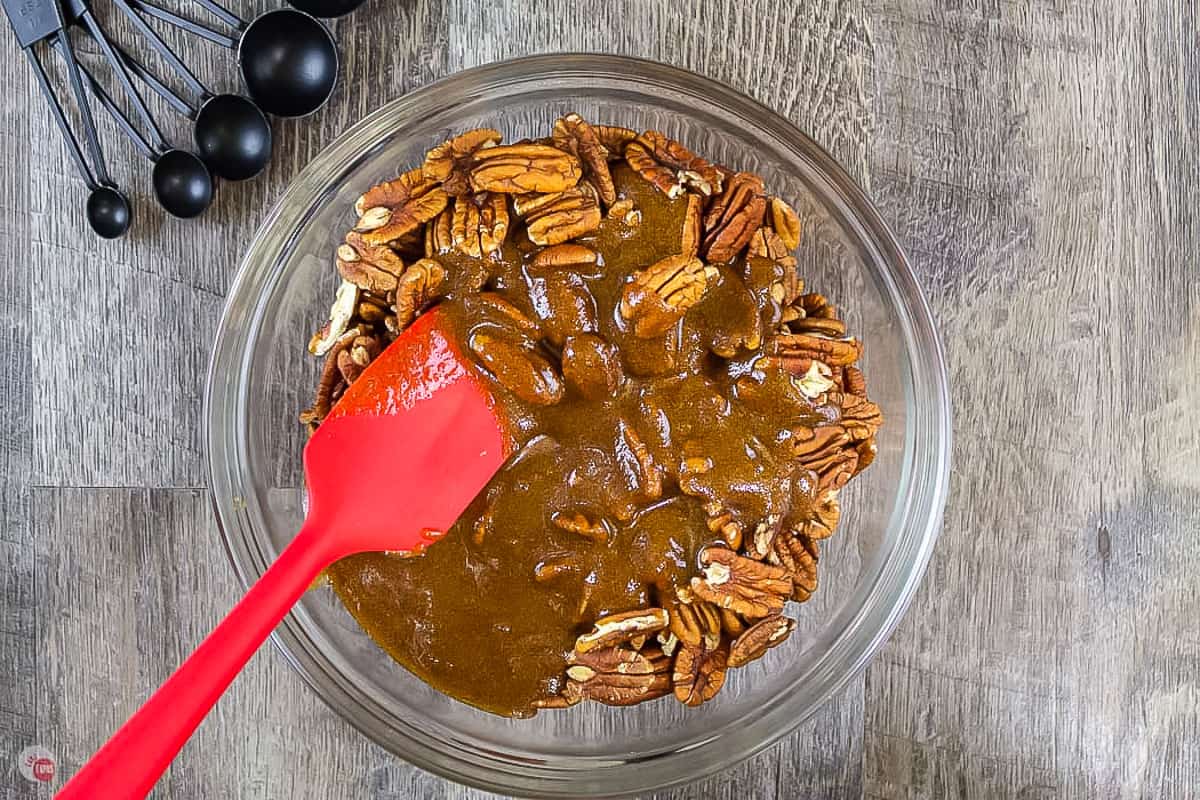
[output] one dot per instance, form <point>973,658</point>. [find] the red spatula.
<point>400,457</point>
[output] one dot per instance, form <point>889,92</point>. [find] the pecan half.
<point>374,268</point>
<point>659,295</point>
<point>394,193</point>
<point>815,446</point>
<point>632,451</point>
<point>733,217</point>
<point>439,234</point>
<point>854,382</point>
<point>860,417</point>
<point>614,138</point>
<point>690,169</point>
<point>479,224</point>
<point>618,676</point>
<point>591,366</point>
<point>400,216</point>
<point>689,240</point>
<point>696,621</point>
<point>573,135</point>
<point>816,381</point>
<point>699,673</point>
<point>640,160</point>
<point>796,348</point>
<point>417,288</point>
<point>450,162</point>
<point>563,305</point>
<point>826,513</point>
<point>519,168</point>
<point>520,369</point>
<point>340,313</point>
<point>581,526</point>
<point>560,217</point>
<point>798,554</point>
<point>616,628</point>
<point>759,638</point>
<point>574,257</point>
<point>751,588</point>
<point>786,222</point>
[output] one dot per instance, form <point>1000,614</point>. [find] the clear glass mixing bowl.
<point>261,376</point>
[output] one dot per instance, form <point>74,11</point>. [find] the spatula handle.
<point>129,764</point>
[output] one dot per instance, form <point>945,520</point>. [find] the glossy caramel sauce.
<point>489,614</point>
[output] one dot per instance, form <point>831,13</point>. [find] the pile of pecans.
<point>471,199</point>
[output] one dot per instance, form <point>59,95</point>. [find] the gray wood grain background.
<point>1040,160</point>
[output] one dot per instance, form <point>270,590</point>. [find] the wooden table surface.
<point>1040,161</point>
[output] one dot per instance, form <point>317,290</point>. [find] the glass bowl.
<point>261,376</point>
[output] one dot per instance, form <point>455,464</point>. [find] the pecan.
<point>331,380</point>
<point>837,469</point>
<point>659,295</point>
<point>614,138</point>
<point>464,227</point>
<point>690,169</point>
<point>391,222</point>
<point>633,451</point>
<point>695,621</point>
<point>814,447</point>
<point>450,162</point>
<point>574,257</point>
<point>417,288</point>
<point>579,524</point>
<point>499,310</point>
<point>731,623</point>
<point>860,417</point>
<point>854,382</point>
<point>866,454</point>
<point>439,234</point>
<point>521,370</point>
<point>816,305</point>
<point>573,135</point>
<point>751,588</point>
<point>723,523</point>
<point>344,303</point>
<point>518,168</point>
<point>766,243</point>
<point>824,517</point>
<point>758,638</point>
<point>558,217</point>
<point>689,240</point>
<point>493,223</point>
<point>786,222</point>
<point>620,208</point>
<point>830,327</point>
<point>553,567</point>
<point>394,193</point>
<point>798,554</point>
<point>591,366</point>
<point>764,534</point>
<point>795,348</point>
<point>617,628</point>
<point>643,163</point>
<point>563,305</point>
<point>618,676</point>
<point>479,224</point>
<point>733,217</point>
<point>372,268</point>
<point>699,673</point>
<point>816,381</point>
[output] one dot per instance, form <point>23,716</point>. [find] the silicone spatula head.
<point>408,446</point>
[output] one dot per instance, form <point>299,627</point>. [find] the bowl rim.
<point>921,511</point>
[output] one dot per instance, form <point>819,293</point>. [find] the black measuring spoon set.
<point>288,61</point>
